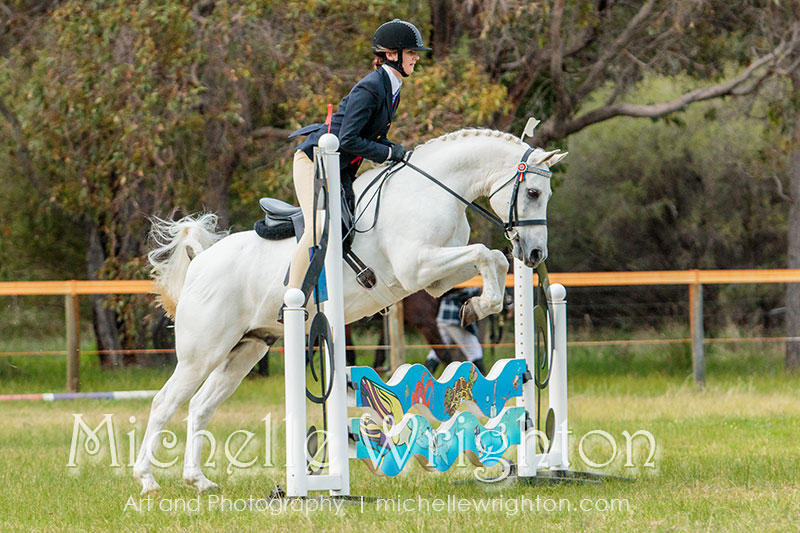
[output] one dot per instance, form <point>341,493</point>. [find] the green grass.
<point>727,457</point>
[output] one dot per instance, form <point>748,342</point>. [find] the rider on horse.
<point>361,123</point>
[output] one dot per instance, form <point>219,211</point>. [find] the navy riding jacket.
<point>361,124</point>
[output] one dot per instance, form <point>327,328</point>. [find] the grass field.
<point>727,457</point>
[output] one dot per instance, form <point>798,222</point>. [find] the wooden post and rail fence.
<point>694,279</point>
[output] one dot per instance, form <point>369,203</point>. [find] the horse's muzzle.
<point>536,256</point>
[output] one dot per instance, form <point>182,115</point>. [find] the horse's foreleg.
<point>446,267</point>
<point>222,382</point>
<point>493,295</point>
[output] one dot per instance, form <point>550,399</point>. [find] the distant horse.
<point>225,290</point>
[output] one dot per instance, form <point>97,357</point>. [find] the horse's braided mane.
<point>481,132</point>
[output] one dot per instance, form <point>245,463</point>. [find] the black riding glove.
<point>398,152</point>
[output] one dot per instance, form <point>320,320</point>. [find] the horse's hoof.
<point>203,485</point>
<point>149,483</point>
<point>208,488</point>
<point>212,488</point>
<point>150,488</point>
<point>151,491</point>
<point>468,314</point>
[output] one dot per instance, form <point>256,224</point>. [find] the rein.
<point>491,217</point>
<point>513,214</point>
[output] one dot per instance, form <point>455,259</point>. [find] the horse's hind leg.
<point>178,388</point>
<point>217,388</point>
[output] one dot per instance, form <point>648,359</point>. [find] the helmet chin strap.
<point>397,65</point>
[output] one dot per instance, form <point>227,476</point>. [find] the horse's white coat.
<point>228,304</point>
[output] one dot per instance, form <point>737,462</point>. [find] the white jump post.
<point>338,452</point>
<point>294,357</point>
<point>557,458</point>
<point>337,481</point>
<point>524,348</point>
<point>559,453</point>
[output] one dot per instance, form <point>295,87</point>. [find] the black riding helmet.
<point>397,35</point>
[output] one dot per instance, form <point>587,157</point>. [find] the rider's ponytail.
<point>380,56</point>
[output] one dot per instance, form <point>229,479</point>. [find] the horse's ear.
<point>540,156</point>
<point>555,158</point>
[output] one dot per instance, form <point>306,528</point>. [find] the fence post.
<point>397,338</point>
<point>697,333</point>
<point>72,313</point>
<point>559,454</point>
<point>294,356</point>
<point>334,310</point>
<point>524,346</point>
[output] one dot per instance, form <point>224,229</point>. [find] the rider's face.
<point>410,58</point>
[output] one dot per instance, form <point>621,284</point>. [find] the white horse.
<point>226,290</point>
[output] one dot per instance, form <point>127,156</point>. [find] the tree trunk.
<point>105,322</point>
<point>446,27</point>
<point>222,162</point>
<point>793,255</point>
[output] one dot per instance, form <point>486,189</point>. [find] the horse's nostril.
<point>536,255</point>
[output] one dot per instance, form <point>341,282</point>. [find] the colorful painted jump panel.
<point>387,450</point>
<point>460,382</point>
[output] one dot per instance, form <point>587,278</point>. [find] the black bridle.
<point>513,212</point>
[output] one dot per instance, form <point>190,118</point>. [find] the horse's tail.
<point>174,244</point>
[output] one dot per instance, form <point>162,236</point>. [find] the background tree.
<point>117,111</point>
<point>555,56</point>
<point>703,196</point>
<point>789,122</point>
<point>552,56</point>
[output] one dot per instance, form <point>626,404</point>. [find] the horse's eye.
<point>534,194</point>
